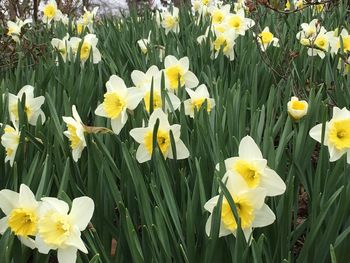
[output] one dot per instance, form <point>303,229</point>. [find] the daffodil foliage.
<point>208,132</point>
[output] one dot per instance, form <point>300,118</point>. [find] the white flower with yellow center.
<point>144,81</point>
<point>21,214</point>
<point>337,134</point>
<point>266,38</point>
<point>143,43</point>
<point>144,136</point>
<point>309,31</point>
<point>62,46</point>
<point>217,14</point>
<point>238,22</point>
<point>252,167</point>
<point>10,140</point>
<point>50,11</point>
<point>32,106</point>
<point>88,48</point>
<point>177,73</point>
<point>224,41</point>
<point>197,99</point>
<point>75,133</point>
<point>58,229</point>
<point>250,207</point>
<point>297,108</point>
<point>344,40</point>
<point>88,16</point>
<point>169,20</point>
<point>14,28</point>
<point>323,42</point>
<point>117,100</point>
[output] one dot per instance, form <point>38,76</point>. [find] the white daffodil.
<point>250,206</point>
<point>21,214</point>
<point>240,5</point>
<point>117,100</point>
<point>224,41</point>
<point>201,6</point>
<point>75,133</point>
<point>144,136</point>
<point>309,31</point>
<point>238,22</point>
<point>65,19</point>
<point>218,14</point>
<point>177,73</point>
<point>143,43</point>
<point>58,229</point>
<point>323,42</point>
<point>144,81</point>
<point>169,20</point>
<point>14,28</point>
<point>88,18</point>
<point>252,167</point>
<point>32,105</point>
<point>197,98</point>
<point>88,48</point>
<point>50,11</point>
<point>297,108</point>
<point>266,38</point>
<point>337,134</point>
<point>10,140</point>
<point>62,46</point>
<point>344,40</point>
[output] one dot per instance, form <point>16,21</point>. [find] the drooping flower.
<point>144,136</point>
<point>10,140</point>
<point>266,39</point>
<point>250,207</point>
<point>197,99</point>
<point>75,133</point>
<point>177,73</point>
<point>252,167</point>
<point>337,134</point>
<point>62,46</point>
<point>21,214</point>
<point>117,100</point>
<point>14,28</point>
<point>143,43</point>
<point>309,31</point>
<point>50,11</point>
<point>60,230</point>
<point>32,105</point>
<point>296,108</point>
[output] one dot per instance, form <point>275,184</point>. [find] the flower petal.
<point>81,212</point>
<point>248,149</point>
<point>263,217</point>
<point>67,255</point>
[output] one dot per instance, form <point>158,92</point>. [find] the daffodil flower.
<point>252,168</point>
<point>21,214</point>
<point>344,39</point>
<point>60,230</point>
<point>266,38</point>
<point>14,28</point>
<point>309,30</point>
<point>32,105</point>
<point>323,42</point>
<point>88,18</point>
<point>297,108</point>
<point>144,136</point>
<point>169,20</point>
<point>143,43</point>
<point>88,48</point>
<point>62,46</point>
<point>177,71</point>
<point>238,22</point>
<point>197,98</point>
<point>224,41</point>
<point>117,100</point>
<point>218,14</point>
<point>75,133</point>
<point>50,11</point>
<point>337,134</point>
<point>250,206</point>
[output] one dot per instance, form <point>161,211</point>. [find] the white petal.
<point>76,114</point>
<point>142,154</point>
<point>74,240</point>
<point>263,217</point>
<point>81,212</point>
<point>137,77</point>
<point>116,84</point>
<point>8,200</point>
<point>211,203</point>
<point>28,90</point>
<point>170,61</point>
<point>190,79</point>
<point>273,184</point>
<point>41,245</point>
<point>135,95</point>
<point>184,63</point>
<point>67,255</point>
<point>175,101</point>
<point>139,134</point>
<point>316,132</point>
<point>56,204</point>
<point>334,153</point>
<point>100,111</point>
<point>256,197</point>
<point>3,225</point>
<point>248,149</point>
<point>26,197</point>
<point>27,242</point>
<point>181,151</point>
<point>118,124</point>
<point>158,114</point>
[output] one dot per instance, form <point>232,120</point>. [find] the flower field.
<point>208,132</point>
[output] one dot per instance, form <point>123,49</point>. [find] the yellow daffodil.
<point>144,136</point>
<point>266,39</point>
<point>297,108</point>
<point>250,207</point>
<point>50,11</point>
<point>10,140</point>
<point>21,214</point>
<point>60,230</point>
<point>14,28</point>
<point>117,100</point>
<point>177,73</point>
<point>75,133</point>
<point>197,99</point>
<point>32,105</point>
<point>337,134</point>
<point>252,167</point>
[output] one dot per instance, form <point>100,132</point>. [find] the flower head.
<point>10,140</point>
<point>75,133</point>
<point>21,214</point>
<point>117,100</point>
<point>143,43</point>
<point>169,20</point>
<point>224,41</point>
<point>266,38</point>
<point>197,99</point>
<point>238,22</point>
<point>62,46</point>
<point>58,229</point>
<point>50,11</point>
<point>337,134</point>
<point>88,48</point>
<point>296,108</point>
<point>14,28</point>
<point>144,136</point>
